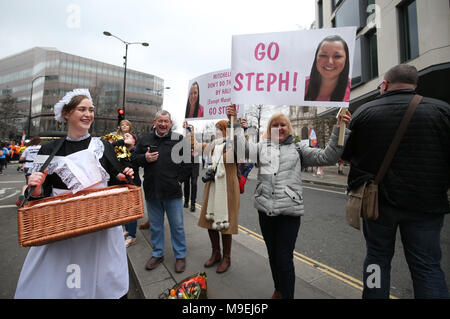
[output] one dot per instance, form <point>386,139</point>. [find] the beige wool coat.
<point>232,197</point>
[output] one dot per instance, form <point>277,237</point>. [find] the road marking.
<point>317,265</point>
<point>324,190</point>
<point>351,281</point>
<point>8,206</point>
<point>13,182</point>
<point>11,195</point>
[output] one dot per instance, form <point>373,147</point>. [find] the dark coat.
<point>419,175</point>
<point>161,178</point>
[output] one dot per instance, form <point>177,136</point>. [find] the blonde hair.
<point>277,116</point>
<point>119,129</point>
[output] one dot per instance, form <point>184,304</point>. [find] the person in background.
<point>413,194</point>
<point>129,141</point>
<point>221,198</point>
<point>279,195</point>
<point>162,188</point>
<point>244,168</point>
<point>190,185</point>
<point>3,154</point>
<point>28,156</point>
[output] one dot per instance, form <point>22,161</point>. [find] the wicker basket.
<point>61,220</point>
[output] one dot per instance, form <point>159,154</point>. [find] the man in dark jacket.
<point>413,193</point>
<point>163,176</point>
<point>192,168</point>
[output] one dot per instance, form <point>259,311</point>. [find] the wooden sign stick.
<point>342,125</point>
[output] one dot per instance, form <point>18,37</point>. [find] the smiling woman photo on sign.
<point>328,80</point>
<point>193,107</point>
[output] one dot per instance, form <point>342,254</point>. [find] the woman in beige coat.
<point>220,209</point>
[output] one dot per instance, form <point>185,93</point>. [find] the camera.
<point>209,175</point>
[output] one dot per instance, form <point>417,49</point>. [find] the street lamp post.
<point>31,102</point>
<point>145,44</point>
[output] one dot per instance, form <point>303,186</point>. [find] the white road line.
<point>13,182</point>
<point>11,195</point>
<point>324,190</point>
<point>8,206</point>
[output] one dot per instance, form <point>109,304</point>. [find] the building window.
<point>409,39</point>
<point>373,55</point>
<point>320,9</point>
<point>357,64</point>
<point>348,14</point>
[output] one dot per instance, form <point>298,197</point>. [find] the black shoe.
<point>193,208</point>
<point>186,204</point>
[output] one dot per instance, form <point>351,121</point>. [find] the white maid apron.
<point>88,266</point>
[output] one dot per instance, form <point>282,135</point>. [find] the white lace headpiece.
<point>66,100</point>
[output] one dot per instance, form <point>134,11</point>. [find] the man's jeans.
<point>420,235</point>
<point>174,210</point>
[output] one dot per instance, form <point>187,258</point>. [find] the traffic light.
<point>120,116</point>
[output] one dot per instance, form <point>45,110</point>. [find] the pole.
<point>125,80</point>
<point>29,113</point>
<point>342,126</point>
<point>31,102</point>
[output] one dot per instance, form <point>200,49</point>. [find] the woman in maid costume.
<point>88,266</point>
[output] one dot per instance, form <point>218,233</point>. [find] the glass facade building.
<point>45,75</point>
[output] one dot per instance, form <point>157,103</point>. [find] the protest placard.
<point>303,68</point>
<point>209,95</point>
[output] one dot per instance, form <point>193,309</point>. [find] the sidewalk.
<point>249,276</point>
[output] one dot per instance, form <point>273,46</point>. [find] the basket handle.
<point>46,163</point>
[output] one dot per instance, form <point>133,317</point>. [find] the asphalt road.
<point>325,237</point>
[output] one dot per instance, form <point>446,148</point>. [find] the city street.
<point>325,241</point>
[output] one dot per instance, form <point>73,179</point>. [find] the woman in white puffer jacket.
<point>279,192</point>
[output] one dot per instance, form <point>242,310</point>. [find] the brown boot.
<point>277,295</point>
<point>226,259</point>
<point>215,244</point>
<point>145,225</point>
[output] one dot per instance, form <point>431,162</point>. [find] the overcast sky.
<point>187,38</point>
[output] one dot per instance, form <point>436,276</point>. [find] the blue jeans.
<point>131,228</point>
<point>420,235</point>
<point>174,210</point>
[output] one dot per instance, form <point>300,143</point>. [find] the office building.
<point>45,75</point>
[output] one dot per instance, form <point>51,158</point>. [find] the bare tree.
<point>10,114</point>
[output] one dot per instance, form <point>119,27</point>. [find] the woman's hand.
<point>346,118</point>
<point>37,179</point>
<point>126,172</point>
<point>231,111</point>
<point>244,123</point>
